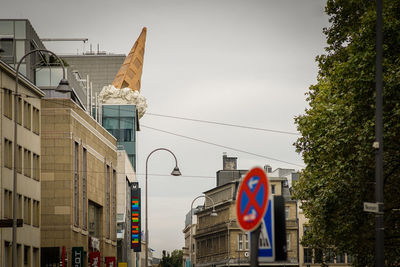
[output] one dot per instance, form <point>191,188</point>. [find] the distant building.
<point>219,240</point>
<point>100,66</point>
<point>125,177</point>
<point>27,165</point>
<point>310,257</point>
<point>18,37</point>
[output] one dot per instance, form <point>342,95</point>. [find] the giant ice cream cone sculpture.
<point>125,88</point>
<point>130,73</point>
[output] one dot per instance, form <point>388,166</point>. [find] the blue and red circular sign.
<point>252,199</point>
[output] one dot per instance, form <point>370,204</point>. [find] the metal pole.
<point>147,203</point>
<point>191,221</point>
<point>379,222</point>
<point>254,240</point>
<point>229,245</point>
<point>14,227</point>
<point>87,94</point>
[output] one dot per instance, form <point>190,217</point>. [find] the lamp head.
<point>176,172</point>
<point>63,86</point>
<point>213,213</point>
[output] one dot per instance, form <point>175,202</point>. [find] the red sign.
<point>252,199</point>
<point>94,259</point>
<point>111,262</point>
<point>63,256</point>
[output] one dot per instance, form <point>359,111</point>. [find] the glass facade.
<point>120,121</point>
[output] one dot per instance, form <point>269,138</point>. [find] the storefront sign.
<point>77,257</point>
<point>94,259</point>
<point>135,217</point>
<point>111,262</point>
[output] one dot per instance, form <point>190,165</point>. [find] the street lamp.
<point>212,214</point>
<point>63,86</point>
<point>175,172</point>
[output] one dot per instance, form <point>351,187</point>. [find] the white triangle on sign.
<point>264,242</point>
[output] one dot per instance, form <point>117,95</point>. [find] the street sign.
<point>266,250</point>
<point>252,199</point>
<point>372,207</point>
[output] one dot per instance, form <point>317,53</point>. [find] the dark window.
<point>340,258</point>
<point>318,256</point>
<point>7,44</point>
<point>307,255</point>
<point>329,256</point>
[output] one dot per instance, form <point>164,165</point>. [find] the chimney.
<point>267,168</point>
<point>229,163</point>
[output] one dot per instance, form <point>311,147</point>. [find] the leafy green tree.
<point>175,259</point>
<point>338,131</point>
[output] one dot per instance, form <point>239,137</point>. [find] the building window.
<point>27,163</point>
<point>19,110</point>
<point>35,258</point>
<point>273,189</point>
<point>7,103</point>
<point>36,119</point>
<point>340,258</point>
<point>287,213</point>
<point>8,204</point>
<point>329,256</point>
<point>36,167</point>
<point>7,253</point>
<point>19,159</point>
<point>7,44</point>
<point>307,252</point>
<point>318,256</point>
<point>27,256</point>
<point>288,241</point>
<point>84,188</point>
<point>19,206</point>
<point>27,115</point>
<point>243,242</point>
<point>94,219</point>
<point>305,229</point>
<point>76,184</point>
<point>27,210</point>
<point>240,242</point>
<point>107,215</point>
<point>36,213</point>
<point>8,155</point>
<point>349,259</point>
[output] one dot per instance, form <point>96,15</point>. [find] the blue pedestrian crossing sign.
<point>266,250</point>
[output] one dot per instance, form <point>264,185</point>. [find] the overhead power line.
<point>224,124</point>
<point>227,147</point>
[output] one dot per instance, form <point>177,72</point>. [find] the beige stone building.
<point>219,241</point>
<point>27,165</point>
<point>78,183</point>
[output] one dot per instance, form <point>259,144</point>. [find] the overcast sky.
<point>238,62</point>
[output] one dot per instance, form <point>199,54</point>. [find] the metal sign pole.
<point>254,242</point>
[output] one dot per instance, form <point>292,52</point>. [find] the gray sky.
<point>238,62</point>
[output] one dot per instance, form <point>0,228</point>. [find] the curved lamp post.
<point>213,214</point>
<point>64,87</point>
<point>175,172</point>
